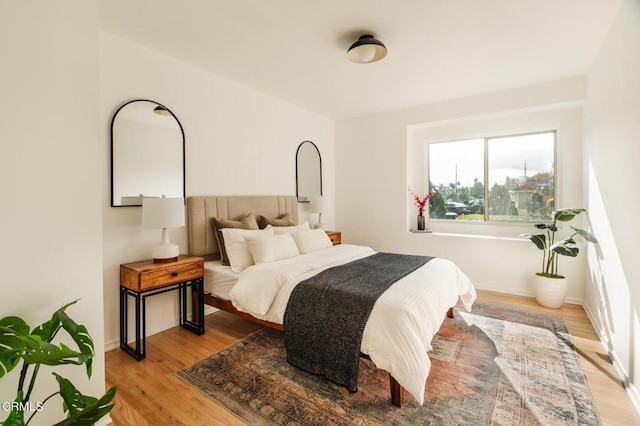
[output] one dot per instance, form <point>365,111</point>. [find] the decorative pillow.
<point>236,247</point>
<point>270,248</point>
<point>290,229</point>
<point>247,222</point>
<point>312,240</point>
<point>284,220</point>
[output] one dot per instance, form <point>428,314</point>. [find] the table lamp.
<point>164,213</point>
<point>318,205</point>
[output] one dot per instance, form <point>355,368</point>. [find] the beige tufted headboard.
<point>200,210</point>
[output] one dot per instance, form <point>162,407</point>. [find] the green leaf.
<point>540,240</point>
<point>78,333</point>
<point>566,215</point>
<point>83,410</point>
<point>39,352</point>
<point>11,328</point>
<point>47,330</point>
<point>81,336</point>
<point>549,226</point>
<point>566,247</point>
<point>586,235</point>
<point>16,417</point>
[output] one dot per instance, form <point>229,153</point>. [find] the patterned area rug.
<point>496,365</point>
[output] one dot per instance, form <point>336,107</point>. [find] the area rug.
<point>493,366</point>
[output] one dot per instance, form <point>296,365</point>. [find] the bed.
<point>407,315</point>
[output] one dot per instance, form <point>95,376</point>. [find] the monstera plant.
<point>34,349</point>
<point>551,287</point>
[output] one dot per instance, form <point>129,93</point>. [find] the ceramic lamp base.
<point>165,251</point>
<point>320,224</point>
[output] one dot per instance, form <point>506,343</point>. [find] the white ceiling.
<point>438,49</point>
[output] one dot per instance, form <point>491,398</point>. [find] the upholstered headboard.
<point>200,210</point>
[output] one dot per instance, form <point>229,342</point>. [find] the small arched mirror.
<point>308,172</point>
<point>147,153</point>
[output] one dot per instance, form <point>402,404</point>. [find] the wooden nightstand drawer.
<point>146,275</point>
<point>170,275</point>
<point>335,237</point>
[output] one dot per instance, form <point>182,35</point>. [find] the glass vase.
<point>421,222</point>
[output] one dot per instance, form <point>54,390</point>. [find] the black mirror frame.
<point>319,158</point>
<point>184,174</point>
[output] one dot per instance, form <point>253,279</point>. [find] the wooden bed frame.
<point>202,242</point>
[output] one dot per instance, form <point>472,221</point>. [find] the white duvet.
<point>402,323</point>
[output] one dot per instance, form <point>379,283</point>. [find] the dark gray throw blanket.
<point>326,314</point>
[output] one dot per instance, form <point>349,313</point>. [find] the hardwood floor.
<point>150,394</point>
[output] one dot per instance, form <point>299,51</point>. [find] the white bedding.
<point>219,279</point>
<point>402,323</point>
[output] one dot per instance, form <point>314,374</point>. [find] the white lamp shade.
<point>318,205</point>
<point>162,212</point>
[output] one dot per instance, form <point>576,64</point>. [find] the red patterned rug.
<point>496,365</point>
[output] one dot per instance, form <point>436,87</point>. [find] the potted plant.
<point>35,349</point>
<point>549,286</point>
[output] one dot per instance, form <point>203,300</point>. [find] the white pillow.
<point>236,246</point>
<point>312,240</point>
<point>269,248</point>
<point>289,229</point>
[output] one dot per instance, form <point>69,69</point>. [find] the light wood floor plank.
<point>150,394</point>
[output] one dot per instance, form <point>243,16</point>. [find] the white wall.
<point>374,208</point>
<point>51,179</point>
<point>238,142</point>
<point>612,153</point>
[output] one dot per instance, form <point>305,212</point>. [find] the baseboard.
<point>495,289</point>
<point>631,389</point>
<point>112,344</point>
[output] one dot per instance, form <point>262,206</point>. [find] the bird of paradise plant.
<point>552,249</point>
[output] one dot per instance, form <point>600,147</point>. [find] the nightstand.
<point>144,279</point>
<point>335,237</point>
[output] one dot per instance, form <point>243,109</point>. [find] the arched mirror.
<point>308,172</point>
<point>147,153</point>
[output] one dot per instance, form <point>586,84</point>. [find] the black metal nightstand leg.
<point>123,317</point>
<point>197,324</point>
<point>143,332</point>
<point>138,352</point>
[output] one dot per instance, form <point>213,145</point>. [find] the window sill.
<point>455,235</point>
<point>418,231</point>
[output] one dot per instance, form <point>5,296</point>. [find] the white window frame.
<point>486,140</point>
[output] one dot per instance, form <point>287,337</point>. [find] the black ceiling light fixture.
<point>366,50</point>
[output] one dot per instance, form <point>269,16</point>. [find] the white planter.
<point>550,292</point>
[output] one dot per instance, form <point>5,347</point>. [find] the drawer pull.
<point>174,274</point>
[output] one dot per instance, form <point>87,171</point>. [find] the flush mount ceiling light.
<point>366,50</point>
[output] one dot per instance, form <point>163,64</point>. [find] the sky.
<point>507,158</point>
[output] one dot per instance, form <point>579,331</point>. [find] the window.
<point>506,178</point>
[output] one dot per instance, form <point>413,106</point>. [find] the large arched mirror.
<point>308,172</point>
<point>147,153</point>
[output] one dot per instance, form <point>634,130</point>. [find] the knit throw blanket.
<point>326,314</point>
